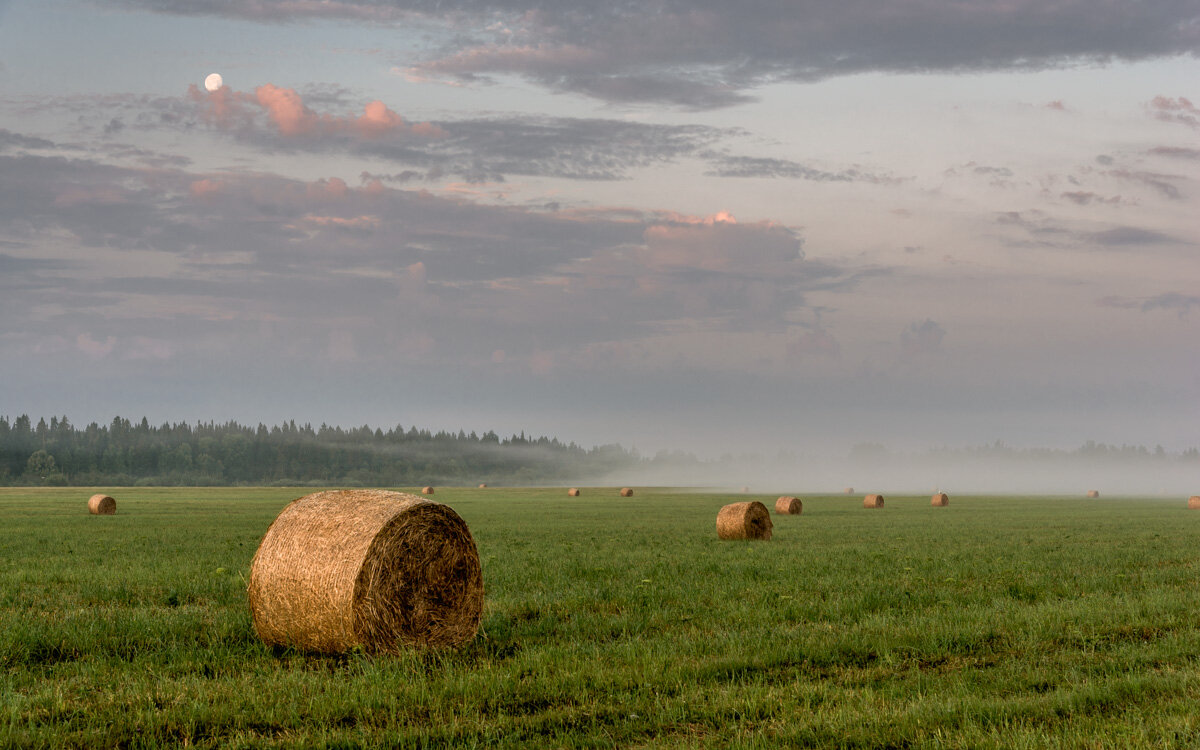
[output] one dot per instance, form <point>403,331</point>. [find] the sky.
<point>709,226</point>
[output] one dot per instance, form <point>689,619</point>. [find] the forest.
<point>123,452</point>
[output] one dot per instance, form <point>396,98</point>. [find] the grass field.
<point>997,622</point>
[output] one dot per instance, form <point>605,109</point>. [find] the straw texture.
<point>789,506</point>
<point>370,568</point>
<point>101,505</point>
<point>748,520</point>
<point>940,500</point>
<point>1194,502</point>
<point>426,490</point>
<point>873,501</point>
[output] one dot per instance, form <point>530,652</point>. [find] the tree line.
<point>129,453</point>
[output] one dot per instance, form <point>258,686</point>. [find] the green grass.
<point>997,622</point>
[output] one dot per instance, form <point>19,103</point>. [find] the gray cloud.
<point>1124,236</point>
<point>748,166</point>
<point>161,264</point>
<point>9,139</point>
<point>707,53</point>
<point>1174,301</point>
<point>1176,152</point>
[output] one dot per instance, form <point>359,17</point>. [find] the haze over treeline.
<point>125,452</point>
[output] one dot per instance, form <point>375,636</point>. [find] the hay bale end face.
<point>426,490</point>
<point>1194,502</point>
<point>101,505</point>
<point>940,500</point>
<point>573,492</point>
<point>873,501</point>
<point>483,485</point>
<point>789,506</point>
<point>366,568</point>
<point>748,520</point>
<point>1093,493</point>
<point>626,492</point>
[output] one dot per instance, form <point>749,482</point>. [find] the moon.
<point>213,82</point>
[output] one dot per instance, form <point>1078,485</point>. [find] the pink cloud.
<point>1179,110</point>
<point>104,195</point>
<point>205,189</point>
<point>292,118</point>
<point>818,343</point>
<point>93,348</point>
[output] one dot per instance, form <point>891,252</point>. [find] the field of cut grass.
<point>998,622</point>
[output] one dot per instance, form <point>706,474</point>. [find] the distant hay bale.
<point>873,501</point>
<point>1194,502</point>
<point>940,500</point>
<point>426,490</point>
<point>747,520</point>
<point>745,490</point>
<point>789,506</point>
<point>366,568</point>
<point>849,490</point>
<point>101,505</point>
<point>573,492</point>
<point>1093,493</point>
<point>483,485</point>
<point>626,492</point>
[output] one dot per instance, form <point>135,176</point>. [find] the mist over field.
<point>960,472</point>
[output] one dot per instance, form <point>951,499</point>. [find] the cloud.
<point>710,53</point>
<point>1180,111</point>
<point>748,166</point>
<point>9,139</point>
<point>291,118</point>
<point>1176,152</point>
<point>248,264</point>
<point>1126,236</point>
<point>921,339</point>
<point>476,150</point>
<point>1171,301</point>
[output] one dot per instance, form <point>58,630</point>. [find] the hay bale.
<point>789,506</point>
<point>573,492</point>
<point>426,490</point>
<point>849,490</point>
<point>745,490</point>
<point>747,520</point>
<point>101,505</point>
<point>940,500</point>
<point>1194,502</point>
<point>369,568</point>
<point>626,492</point>
<point>873,501</point>
<point>483,485</point>
<point>1093,493</point>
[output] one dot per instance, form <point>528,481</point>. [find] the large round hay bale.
<point>426,490</point>
<point>573,492</point>
<point>626,492</point>
<point>747,520</point>
<point>483,485</point>
<point>849,490</point>
<point>1093,493</point>
<point>940,500</point>
<point>789,506</point>
<point>370,568</point>
<point>101,505</point>
<point>873,501</point>
<point>1194,502</point>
